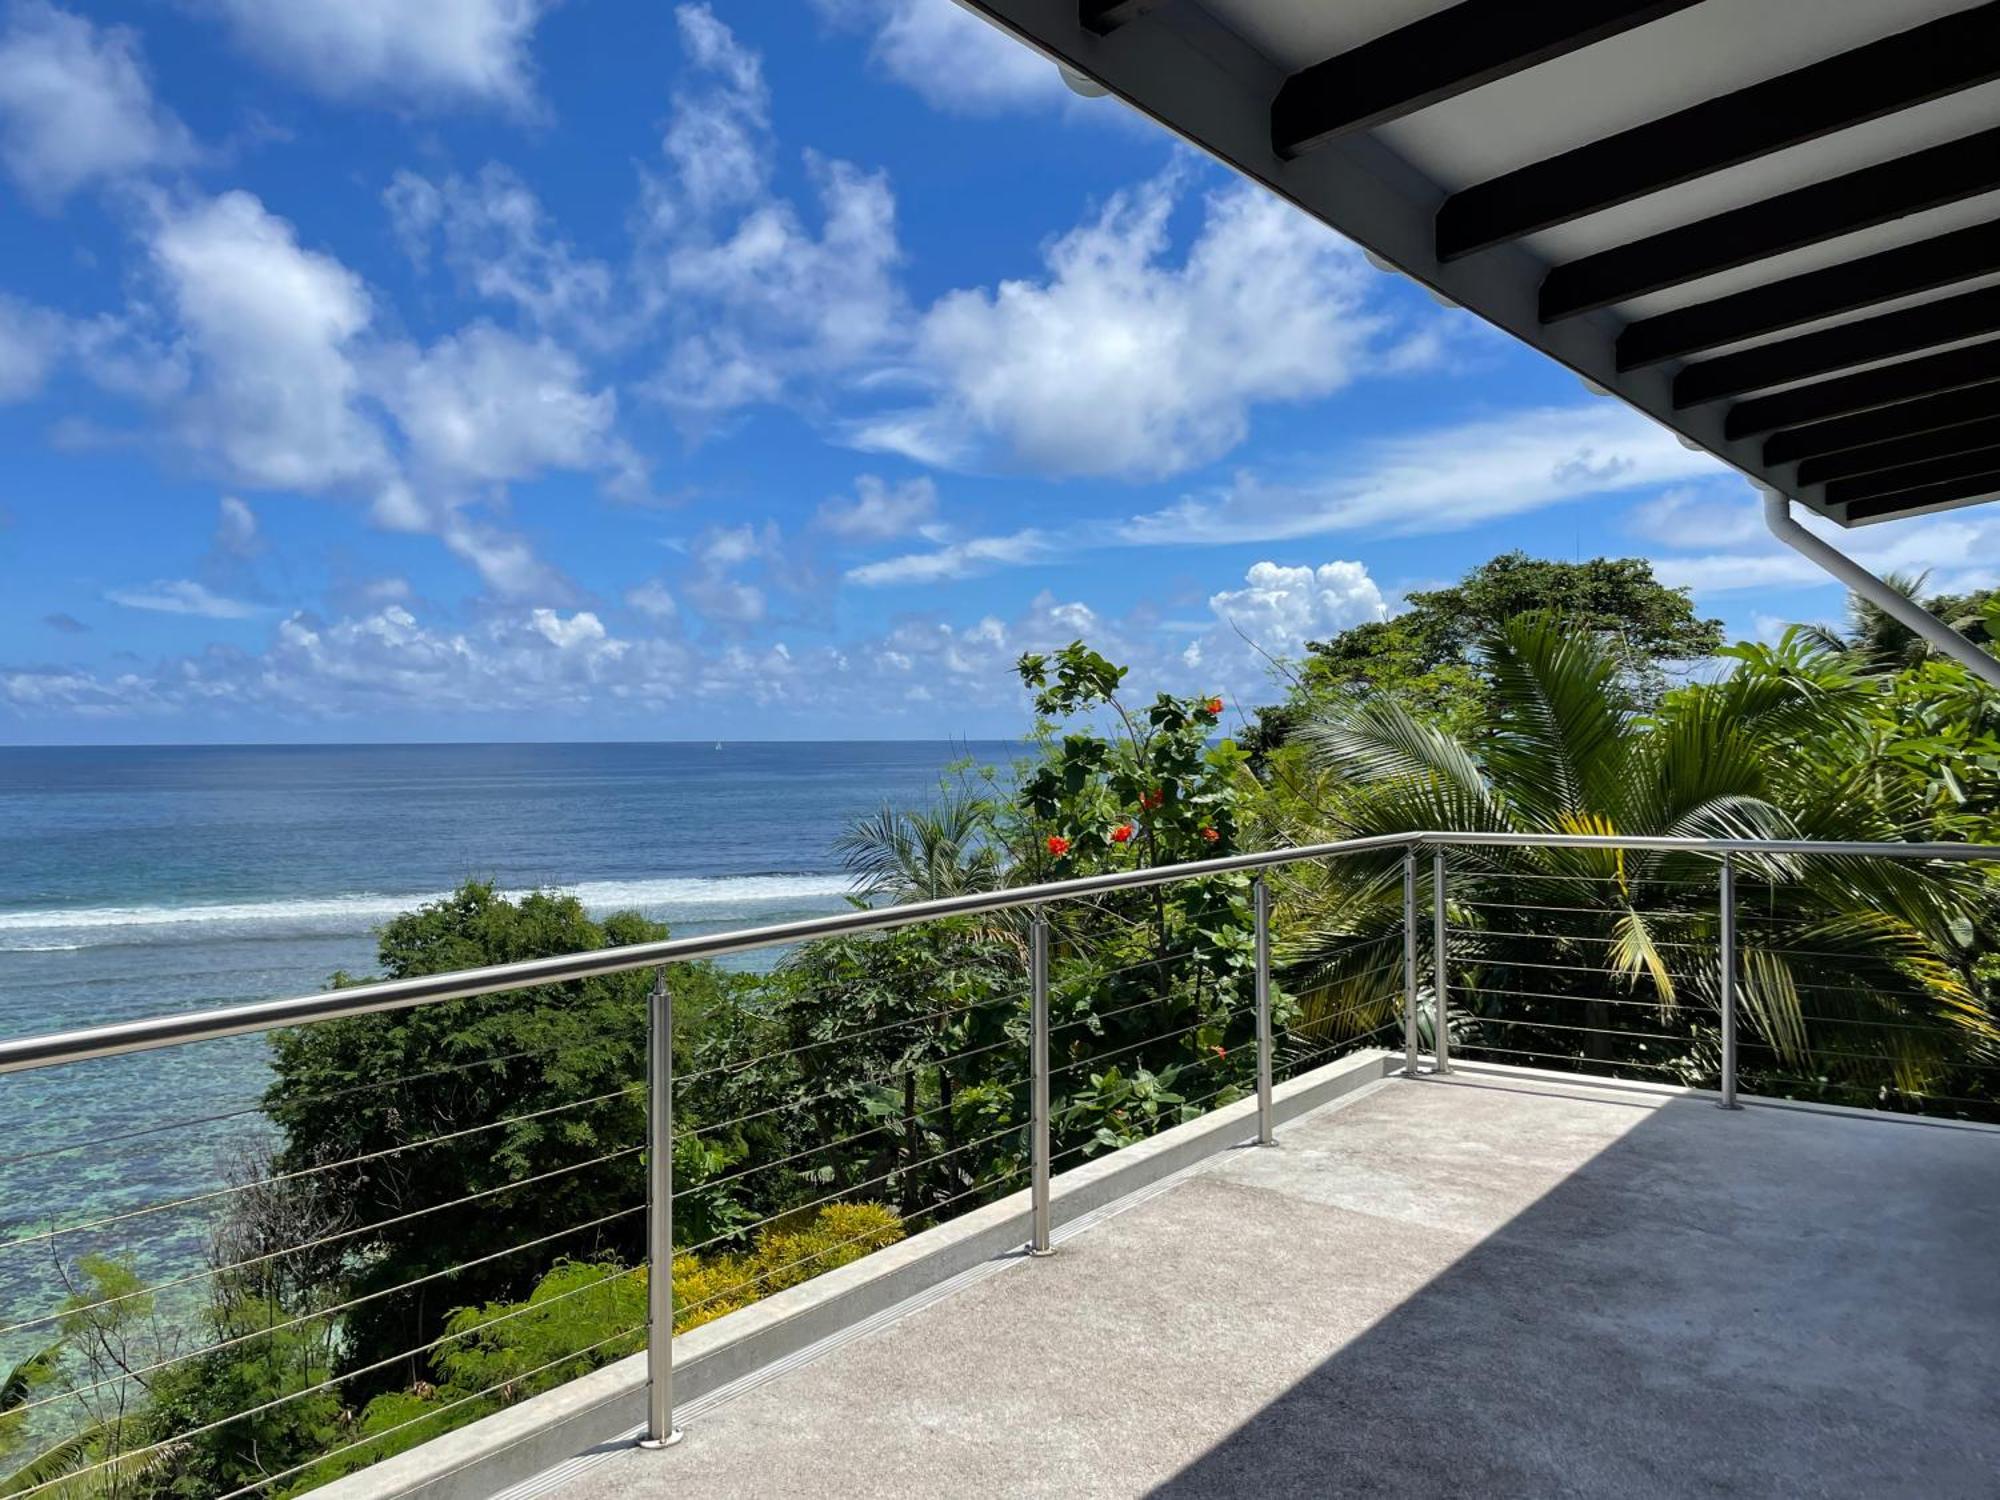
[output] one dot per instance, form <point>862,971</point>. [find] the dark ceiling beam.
<point>1906,419</point>
<point>1824,210</point>
<point>1955,369</point>
<point>1977,487</point>
<point>1913,67</point>
<point>1897,453</point>
<point>1439,57</point>
<point>1905,271</point>
<point>1913,476</point>
<point>1106,16</point>
<point>1909,331</point>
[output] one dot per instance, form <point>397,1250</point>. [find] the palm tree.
<point>1848,967</point>
<point>1874,637</point>
<point>1879,642</point>
<point>56,1459</point>
<point>904,854</point>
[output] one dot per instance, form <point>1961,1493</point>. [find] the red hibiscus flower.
<point>1219,1050</point>
<point>1215,706</point>
<point>1058,845</point>
<point>1150,800</point>
<point>1121,834</point>
<point>1210,834</point>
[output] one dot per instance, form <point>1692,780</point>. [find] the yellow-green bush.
<point>503,1352</point>
<point>794,1249</point>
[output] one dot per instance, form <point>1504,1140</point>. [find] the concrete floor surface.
<point>1472,1286</point>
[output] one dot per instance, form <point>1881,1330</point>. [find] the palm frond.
<point>905,854</point>
<point>1633,952</point>
<point>1378,740</point>
<point>1559,736</point>
<point>1770,1004</point>
<point>55,1462</point>
<point>26,1377</point>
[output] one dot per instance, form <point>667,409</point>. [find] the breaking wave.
<point>703,898</point>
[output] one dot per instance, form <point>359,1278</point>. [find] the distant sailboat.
<point>718,744</point>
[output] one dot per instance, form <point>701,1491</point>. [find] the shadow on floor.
<point>1754,1304</point>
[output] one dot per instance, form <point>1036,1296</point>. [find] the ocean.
<point>136,881</point>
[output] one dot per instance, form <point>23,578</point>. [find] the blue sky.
<point>516,369</point>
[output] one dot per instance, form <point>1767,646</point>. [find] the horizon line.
<point>469,744</point>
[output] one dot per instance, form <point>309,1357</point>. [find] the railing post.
<point>1260,906</point>
<point>1441,1045</point>
<point>1726,943</point>
<point>1410,962</point>
<point>660,1429</point>
<point>1038,1069</point>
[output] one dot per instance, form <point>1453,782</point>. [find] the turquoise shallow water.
<point>136,881</point>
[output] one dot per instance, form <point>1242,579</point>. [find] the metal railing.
<point>1484,1000</point>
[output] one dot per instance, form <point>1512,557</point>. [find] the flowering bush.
<point>1148,787</point>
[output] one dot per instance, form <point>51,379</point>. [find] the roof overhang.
<point>1772,226</point>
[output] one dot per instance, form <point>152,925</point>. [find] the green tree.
<point>477,1142</point>
<point>1879,642</point>
<point>269,1389</point>
<point>1609,955</point>
<point>947,848</point>
<point>80,1405</point>
<point>1426,657</point>
<point>1149,990</point>
<point>886,1035</point>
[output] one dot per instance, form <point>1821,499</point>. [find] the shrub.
<point>788,1252</point>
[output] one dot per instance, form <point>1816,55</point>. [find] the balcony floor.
<point>1477,1286</point>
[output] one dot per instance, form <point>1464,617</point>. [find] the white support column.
<point>1778,517</point>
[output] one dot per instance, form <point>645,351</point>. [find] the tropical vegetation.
<point>445,1216</point>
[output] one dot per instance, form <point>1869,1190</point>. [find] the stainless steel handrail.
<point>26,1054</point>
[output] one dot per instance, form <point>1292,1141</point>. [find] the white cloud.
<point>1735,551</point>
<point>272,329</point>
<point>182,596</point>
<point>726,546</point>
<point>957,560</point>
<point>1441,480</point>
<point>1277,611</point>
<point>1130,354</point>
<point>956,61</point>
<point>1122,361</point>
<point>922,659</point>
<point>80,694</point>
<point>484,406</point>
<point>654,599</point>
<point>76,105</point>
<point>272,371</point>
<point>1724,515</point>
<point>541,660</point>
<point>716,138</point>
<point>771,300</point>
<point>717,590</point>
<point>417,56</point>
<point>881,511</point>
<point>31,339</point>
<point>498,242</point>
<point>506,562</point>
<point>756,297</point>
<point>236,533</point>
<point>727,600</point>
<point>581,630</point>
